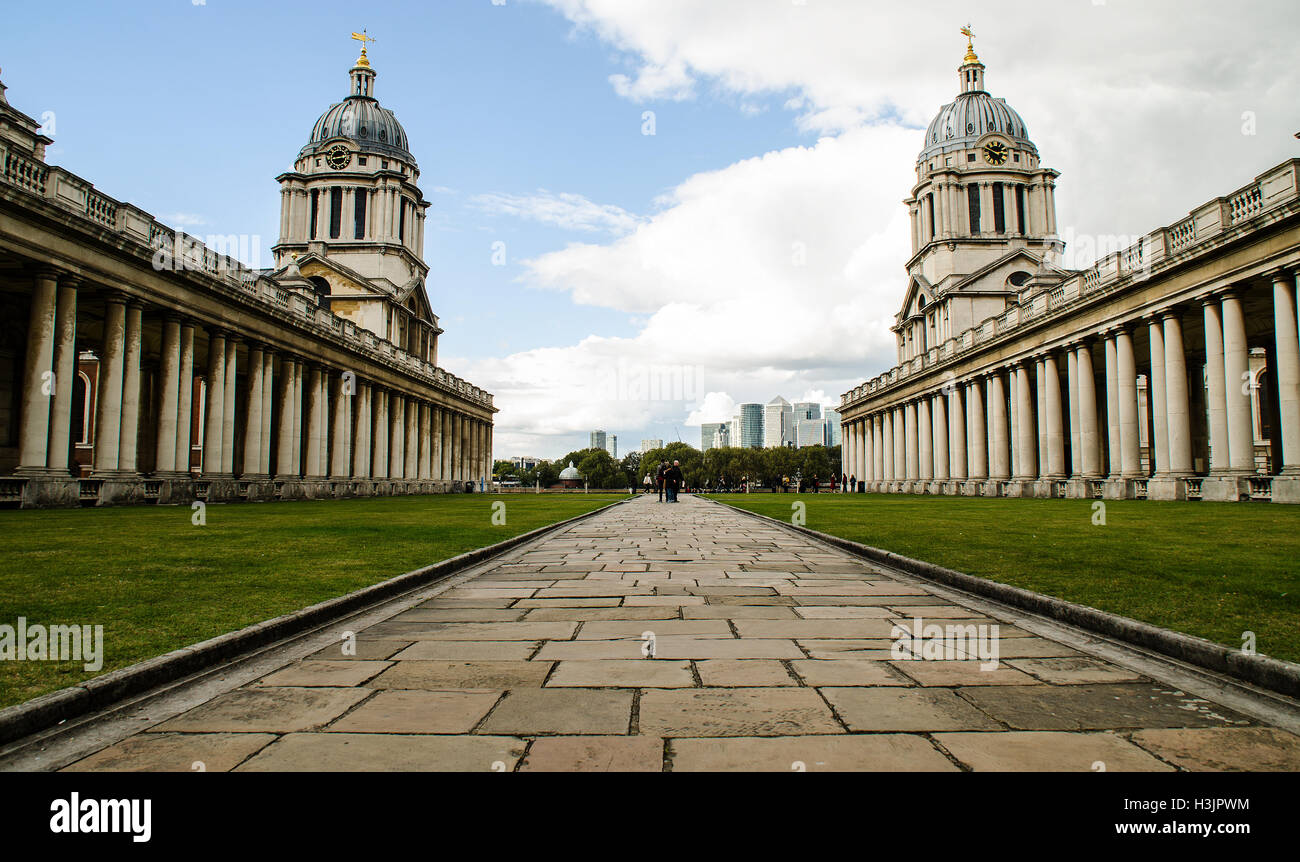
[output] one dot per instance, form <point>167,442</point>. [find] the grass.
<point>157,582</point>
<point>1214,570</point>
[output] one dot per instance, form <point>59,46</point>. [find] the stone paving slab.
<point>772,653</point>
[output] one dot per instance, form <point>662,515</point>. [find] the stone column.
<point>887,452</point>
<point>253,415</point>
<point>1129,443</point>
<point>913,463</point>
<point>315,423</point>
<point>1000,457</point>
<point>380,437</point>
<point>976,433</point>
<point>900,444</point>
<point>1113,460</point>
<point>38,374</point>
<point>867,454</point>
<point>425,460</point>
<point>411,417</point>
<point>185,400</point>
<point>464,449</point>
<point>1288,369</point>
<point>1089,442</point>
<point>448,441</point>
<point>397,436</point>
<point>939,428</point>
<point>285,466</point>
<point>436,432</point>
<point>130,433</point>
<point>1040,407</point>
<point>925,439</point>
<point>1178,410</point>
<point>215,406</point>
<point>1236,359</point>
<point>1072,396</point>
<point>957,435</point>
<point>341,449</point>
<point>325,401</point>
<point>1026,462</point>
<point>1216,384</point>
<point>1055,431</point>
<point>849,449</point>
<point>65,372</point>
<point>228,409</point>
<point>1159,397</point>
<point>268,398</point>
<point>361,435</point>
<point>299,402</point>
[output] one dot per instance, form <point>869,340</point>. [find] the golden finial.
<point>361,37</point>
<point>970,44</point>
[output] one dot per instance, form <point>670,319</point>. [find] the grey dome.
<point>570,472</point>
<point>972,116</point>
<point>361,119</point>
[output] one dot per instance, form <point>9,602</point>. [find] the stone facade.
<point>1168,370</point>
<point>139,365</point>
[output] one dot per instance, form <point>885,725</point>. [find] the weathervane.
<point>970,44</point>
<point>363,39</point>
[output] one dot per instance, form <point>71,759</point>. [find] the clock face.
<point>338,157</point>
<point>996,153</point>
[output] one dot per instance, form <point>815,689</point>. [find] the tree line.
<point>721,468</point>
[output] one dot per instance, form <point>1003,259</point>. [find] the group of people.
<point>667,480</point>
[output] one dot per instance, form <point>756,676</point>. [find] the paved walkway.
<point>770,652</point>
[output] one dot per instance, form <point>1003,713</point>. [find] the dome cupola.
<point>361,119</point>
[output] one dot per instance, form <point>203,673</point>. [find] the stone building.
<point>1169,369</point>
<point>139,365</point>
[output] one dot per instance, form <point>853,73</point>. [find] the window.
<point>315,212</point>
<point>336,212</point>
<point>970,157</point>
<point>1020,208</point>
<point>999,209</point>
<point>929,200</point>
<point>973,204</point>
<point>1018,279</point>
<point>359,214</point>
<point>361,160</point>
<point>401,221</point>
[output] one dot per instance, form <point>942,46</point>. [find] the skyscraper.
<point>778,424</point>
<point>807,410</point>
<point>714,434</point>
<point>750,422</point>
<point>598,440</point>
<point>832,427</point>
<point>651,445</point>
<point>613,446</point>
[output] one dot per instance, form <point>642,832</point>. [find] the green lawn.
<point>1214,570</point>
<point>156,582</point>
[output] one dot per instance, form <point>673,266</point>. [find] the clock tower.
<point>352,219</point>
<point>983,215</point>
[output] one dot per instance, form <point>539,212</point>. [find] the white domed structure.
<point>352,214</point>
<point>983,216</point>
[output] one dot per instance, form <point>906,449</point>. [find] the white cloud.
<point>565,210</point>
<point>783,271</point>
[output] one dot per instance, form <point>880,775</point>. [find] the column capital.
<point>1173,311</point>
<point>117,297</point>
<point>1282,273</point>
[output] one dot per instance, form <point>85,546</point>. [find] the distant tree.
<point>502,470</point>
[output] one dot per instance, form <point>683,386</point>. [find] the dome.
<point>361,119</point>
<point>570,473</point>
<point>375,129</point>
<point>962,123</point>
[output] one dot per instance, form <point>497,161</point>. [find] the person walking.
<point>659,479</point>
<point>649,483</point>
<point>673,479</point>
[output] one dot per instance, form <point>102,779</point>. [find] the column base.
<point>1118,488</point>
<point>1084,488</point>
<point>1225,488</point>
<point>1166,488</point>
<point>1020,488</point>
<point>1286,488</point>
<point>973,488</point>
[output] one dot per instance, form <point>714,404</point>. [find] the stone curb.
<point>1270,673</point>
<point>47,710</point>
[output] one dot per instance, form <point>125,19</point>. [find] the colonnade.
<point>278,416</point>
<point>1071,411</point>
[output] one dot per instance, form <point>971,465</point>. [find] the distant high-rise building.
<point>778,425</point>
<point>714,435</point>
<point>526,462</point>
<point>807,410</point>
<point>832,427</point>
<point>809,432</point>
<point>613,446</point>
<point>651,445</point>
<point>750,422</point>
<point>599,440</point>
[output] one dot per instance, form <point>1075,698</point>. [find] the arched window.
<point>322,291</point>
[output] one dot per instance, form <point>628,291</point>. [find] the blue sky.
<point>778,125</point>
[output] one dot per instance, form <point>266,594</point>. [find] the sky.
<point>648,211</point>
